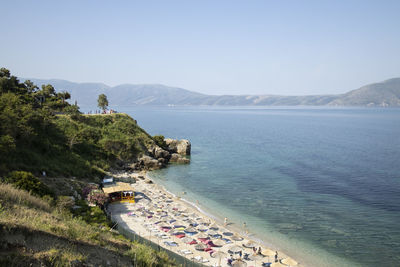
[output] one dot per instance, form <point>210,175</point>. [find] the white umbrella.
<point>214,226</point>
<point>255,258</point>
<point>191,230</point>
<point>202,221</point>
<point>239,263</point>
<point>202,228</point>
<point>187,239</point>
<point>212,232</point>
<point>227,233</point>
<point>289,262</point>
<point>235,248</point>
<point>219,243</point>
<point>200,246</point>
<point>277,264</point>
<point>237,238</point>
<point>250,244</point>
<point>219,255</point>
<point>202,235</point>
<point>268,252</point>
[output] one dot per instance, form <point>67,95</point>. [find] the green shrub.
<point>27,181</point>
<point>64,203</point>
<point>159,139</point>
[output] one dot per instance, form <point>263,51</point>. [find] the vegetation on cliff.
<point>48,152</point>
<point>40,131</point>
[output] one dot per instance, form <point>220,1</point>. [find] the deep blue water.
<point>321,184</point>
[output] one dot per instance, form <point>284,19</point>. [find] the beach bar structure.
<point>119,191</point>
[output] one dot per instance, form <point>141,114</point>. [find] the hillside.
<point>36,233</point>
<point>378,94</point>
<point>386,93</point>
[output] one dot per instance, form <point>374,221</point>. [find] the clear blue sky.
<point>215,47</point>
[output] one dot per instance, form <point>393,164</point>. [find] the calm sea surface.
<point>321,184</point>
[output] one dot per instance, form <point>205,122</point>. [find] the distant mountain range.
<point>383,94</point>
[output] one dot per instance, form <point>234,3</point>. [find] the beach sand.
<point>172,223</point>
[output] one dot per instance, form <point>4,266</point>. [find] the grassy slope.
<point>34,232</point>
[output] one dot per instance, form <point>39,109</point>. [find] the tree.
<point>159,139</point>
<point>102,102</point>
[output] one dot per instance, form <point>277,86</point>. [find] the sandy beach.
<point>179,226</point>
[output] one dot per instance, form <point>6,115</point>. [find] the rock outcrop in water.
<point>177,151</point>
<point>181,147</point>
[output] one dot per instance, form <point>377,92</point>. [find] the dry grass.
<point>11,195</point>
<point>19,209</point>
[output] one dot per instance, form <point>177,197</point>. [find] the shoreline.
<point>232,226</point>
<point>155,199</point>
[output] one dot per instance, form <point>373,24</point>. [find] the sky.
<point>215,47</point>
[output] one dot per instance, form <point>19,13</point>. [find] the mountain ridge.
<point>383,94</point>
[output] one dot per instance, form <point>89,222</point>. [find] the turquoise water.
<point>321,184</point>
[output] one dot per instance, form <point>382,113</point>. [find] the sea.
<point>320,184</point>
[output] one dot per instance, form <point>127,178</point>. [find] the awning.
<point>117,187</point>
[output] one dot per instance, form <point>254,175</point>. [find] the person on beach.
<point>276,256</point>
<point>259,251</point>
<point>225,221</point>
<point>254,250</point>
<point>245,228</point>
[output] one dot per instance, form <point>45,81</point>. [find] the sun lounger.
<point>185,252</point>
<point>197,258</point>
<point>171,244</point>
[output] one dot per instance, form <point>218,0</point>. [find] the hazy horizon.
<point>224,47</point>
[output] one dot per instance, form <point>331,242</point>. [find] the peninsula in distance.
<point>380,94</point>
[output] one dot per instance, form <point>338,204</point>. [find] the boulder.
<point>181,147</point>
<point>157,152</point>
<point>149,163</point>
<point>176,158</point>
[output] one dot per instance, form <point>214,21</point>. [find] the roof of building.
<point>117,187</point>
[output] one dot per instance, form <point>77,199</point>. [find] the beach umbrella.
<point>219,255</point>
<point>187,239</point>
<point>178,224</point>
<point>268,252</point>
<point>200,246</point>
<point>235,248</point>
<point>186,210</point>
<point>214,226</point>
<point>239,263</point>
<point>190,222</point>
<point>212,232</point>
<point>202,235</point>
<point>255,258</point>
<point>202,221</point>
<point>237,238</point>
<point>250,244</point>
<point>227,233</point>
<point>202,228</point>
<point>289,262</point>
<point>219,243</point>
<point>190,230</point>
